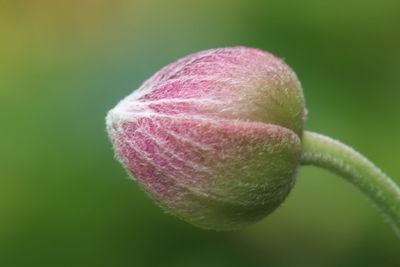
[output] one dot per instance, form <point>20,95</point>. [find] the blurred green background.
<point>65,201</point>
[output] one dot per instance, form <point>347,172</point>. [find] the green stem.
<point>334,156</point>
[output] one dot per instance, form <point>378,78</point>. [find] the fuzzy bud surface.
<point>214,138</point>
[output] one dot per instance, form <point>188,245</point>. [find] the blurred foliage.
<point>64,200</point>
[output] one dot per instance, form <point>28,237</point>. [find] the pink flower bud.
<point>214,138</point>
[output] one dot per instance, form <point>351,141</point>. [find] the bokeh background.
<point>65,201</point>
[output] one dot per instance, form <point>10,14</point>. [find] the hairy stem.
<point>334,156</point>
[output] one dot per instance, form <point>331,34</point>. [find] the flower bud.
<point>214,138</point>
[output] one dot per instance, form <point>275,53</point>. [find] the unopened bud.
<point>214,138</point>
